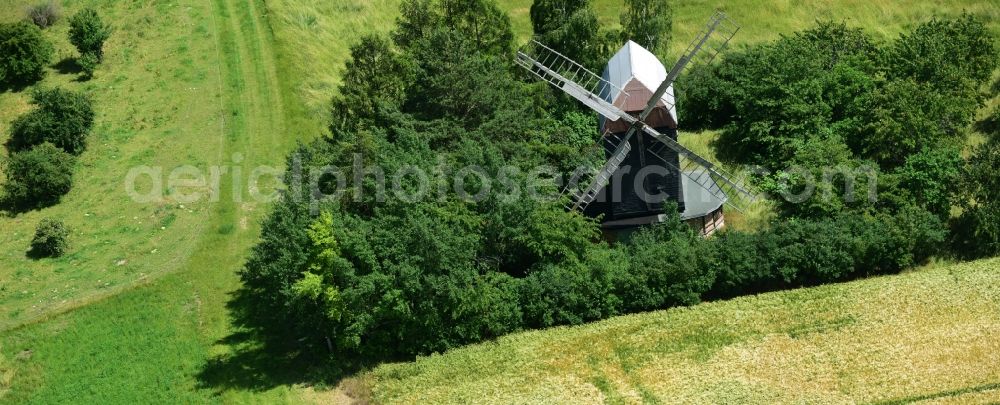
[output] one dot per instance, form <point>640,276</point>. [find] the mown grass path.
<point>149,343</point>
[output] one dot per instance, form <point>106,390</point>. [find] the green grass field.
<point>929,334</point>
<point>189,83</point>
<point>137,312</point>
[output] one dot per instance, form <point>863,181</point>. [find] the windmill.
<point>639,129</point>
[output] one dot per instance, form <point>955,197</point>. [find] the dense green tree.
<point>391,273</point>
<point>480,21</point>
<point>87,32</point>
<point>571,28</point>
<point>930,179</point>
<point>944,54</point>
<point>24,53</point>
<point>51,239</point>
<point>977,231</point>
<point>458,82</point>
<point>38,177</point>
<point>376,77</point>
<point>829,56</point>
<point>830,99</point>
<point>61,117</point>
<point>648,23</point>
<point>904,117</point>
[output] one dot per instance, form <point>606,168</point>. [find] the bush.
<point>574,293</point>
<point>88,63</point>
<point>87,32</point>
<point>977,231</point>
<point>51,239</point>
<point>44,14</point>
<point>24,53</point>
<point>809,252</point>
<point>38,177</point>
<point>62,117</point>
<point>944,53</point>
<point>669,266</point>
<point>745,264</point>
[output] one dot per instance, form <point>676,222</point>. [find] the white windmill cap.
<point>638,72</point>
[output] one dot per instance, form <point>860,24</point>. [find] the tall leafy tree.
<point>88,32</point>
<point>571,28</point>
<point>376,77</point>
<point>62,117</point>
<point>648,23</point>
<point>24,53</point>
<point>977,231</point>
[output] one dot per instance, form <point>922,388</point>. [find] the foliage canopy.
<point>38,177</point>
<point>61,117</point>
<point>24,53</point>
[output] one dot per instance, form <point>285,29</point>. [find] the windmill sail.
<point>570,77</point>
<point>604,97</point>
<point>581,198</point>
<point>703,172</point>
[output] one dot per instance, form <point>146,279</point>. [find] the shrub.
<point>944,53</point>
<point>572,293</point>
<point>62,117</point>
<point>38,177</point>
<point>87,32</point>
<point>51,239</point>
<point>745,264</point>
<point>802,252</point>
<point>24,53</point>
<point>44,14</point>
<point>977,231</point>
<point>669,266</point>
<point>88,63</point>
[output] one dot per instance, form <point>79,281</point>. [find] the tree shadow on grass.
<point>10,208</point>
<point>68,66</point>
<point>71,66</point>
<point>257,362</point>
<point>15,87</point>
<point>989,125</point>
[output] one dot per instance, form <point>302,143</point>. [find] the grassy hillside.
<point>930,334</point>
<point>191,83</point>
<point>155,106</point>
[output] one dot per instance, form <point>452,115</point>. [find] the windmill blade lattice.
<point>706,174</point>
<point>613,145</point>
<point>593,91</point>
<point>702,50</point>
<point>570,77</point>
